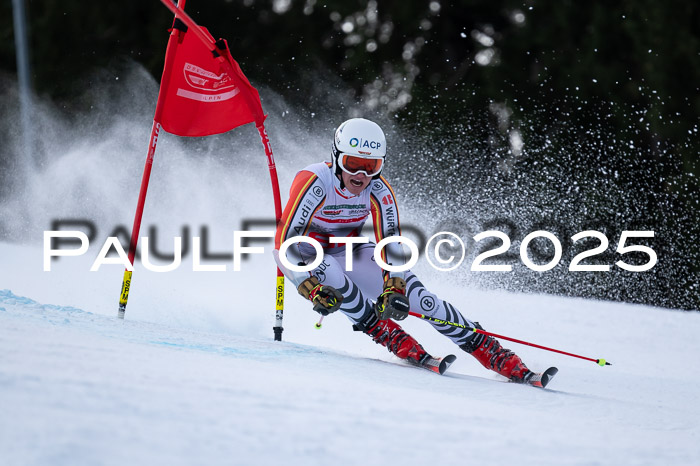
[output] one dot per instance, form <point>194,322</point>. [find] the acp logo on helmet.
<point>354,142</point>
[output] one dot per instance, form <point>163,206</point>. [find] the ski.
<point>437,365</point>
<point>540,380</point>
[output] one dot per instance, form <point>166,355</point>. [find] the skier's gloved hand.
<point>393,303</point>
<point>326,299</point>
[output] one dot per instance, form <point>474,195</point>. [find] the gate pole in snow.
<point>165,78</point>
<point>256,108</point>
<point>279,292</point>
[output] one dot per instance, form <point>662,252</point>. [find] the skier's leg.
<point>356,287</point>
<point>355,305</point>
<point>489,352</point>
<point>486,350</point>
<point>365,272</point>
<point>426,303</point>
<point>394,338</point>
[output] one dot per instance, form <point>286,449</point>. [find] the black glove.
<point>326,299</point>
<point>393,303</point>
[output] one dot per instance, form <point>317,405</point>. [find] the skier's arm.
<point>306,196</point>
<point>392,303</point>
<point>385,217</point>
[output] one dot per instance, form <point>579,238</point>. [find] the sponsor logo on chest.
<point>353,210</point>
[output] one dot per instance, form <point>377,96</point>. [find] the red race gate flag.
<point>201,98</point>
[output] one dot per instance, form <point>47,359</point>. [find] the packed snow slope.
<point>192,376</point>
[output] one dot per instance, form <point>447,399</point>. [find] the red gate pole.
<point>175,37</point>
<point>221,49</point>
<point>279,307</point>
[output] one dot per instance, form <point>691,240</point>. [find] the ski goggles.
<point>353,165</point>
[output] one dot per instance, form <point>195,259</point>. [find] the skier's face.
<point>355,183</point>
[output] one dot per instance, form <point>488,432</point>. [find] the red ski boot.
<point>489,352</point>
<point>390,335</point>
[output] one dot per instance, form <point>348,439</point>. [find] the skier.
<point>334,199</point>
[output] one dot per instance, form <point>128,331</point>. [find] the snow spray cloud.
<point>88,161</point>
<point>455,177</point>
<point>490,172</point>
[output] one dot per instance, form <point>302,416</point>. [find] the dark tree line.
<point>452,54</point>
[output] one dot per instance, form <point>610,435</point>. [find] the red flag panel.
<point>202,98</point>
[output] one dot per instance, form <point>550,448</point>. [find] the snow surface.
<point>192,376</point>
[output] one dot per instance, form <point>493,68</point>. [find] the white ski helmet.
<point>359,146</point>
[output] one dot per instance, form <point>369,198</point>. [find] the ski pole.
<point>318,324</point>
<point>601,362</point>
